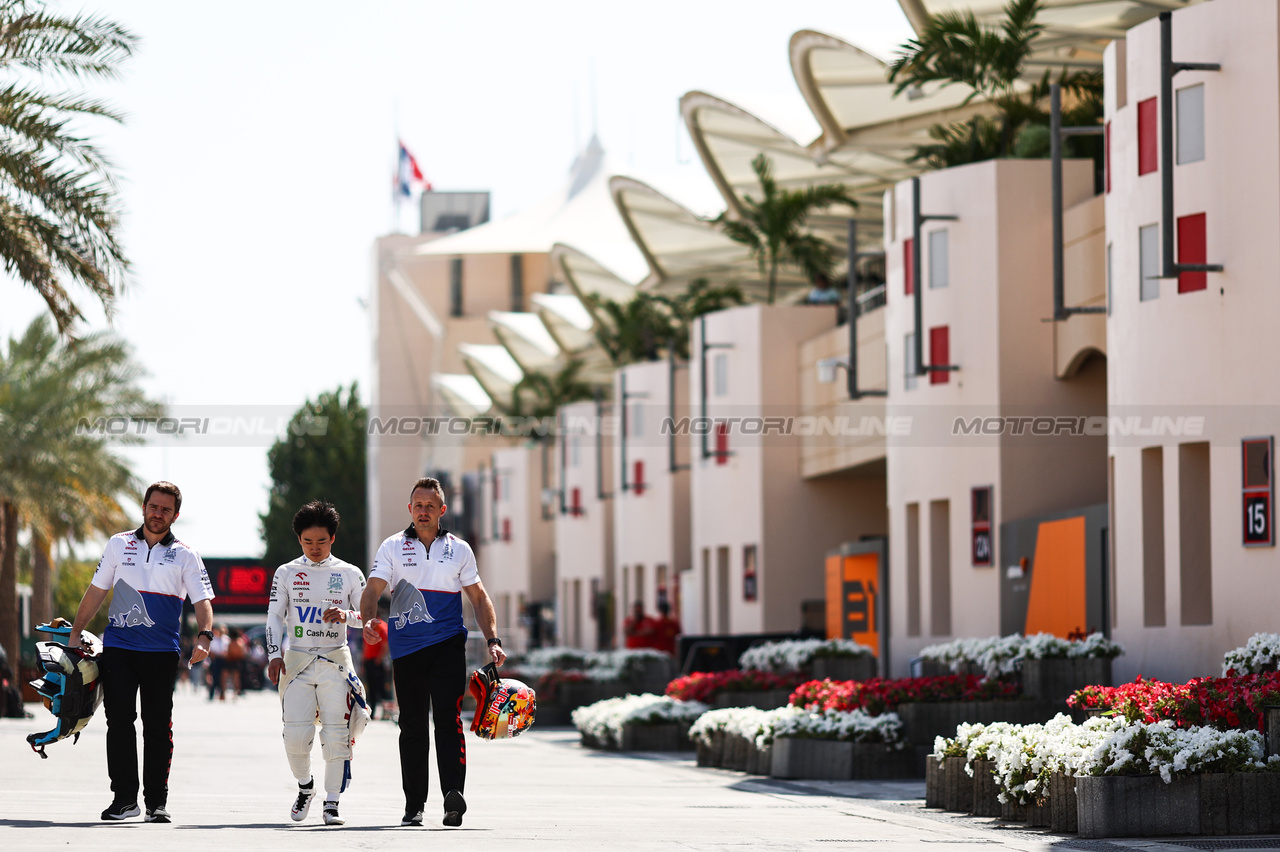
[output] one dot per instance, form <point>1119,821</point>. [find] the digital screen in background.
<point>239,584</point>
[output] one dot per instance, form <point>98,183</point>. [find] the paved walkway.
<point>231,788</point>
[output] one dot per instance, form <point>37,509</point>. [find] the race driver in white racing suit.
<point>314,599</point>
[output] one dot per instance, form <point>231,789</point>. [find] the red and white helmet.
<point>504,707</point>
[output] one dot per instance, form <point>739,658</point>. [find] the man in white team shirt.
<point>314,599</point>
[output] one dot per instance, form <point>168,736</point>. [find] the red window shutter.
<point>908,267</point>
<point>639,478</point>
<point>1191,249</point>
<point>939,354</point>
<point>1148,136</point>
<point>575,504</point>
<point>1106,156</point>
<point>722,442</point>
<point>506,529</point>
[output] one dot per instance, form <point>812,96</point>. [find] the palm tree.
<point>956,48</point>
<point>638,330</point>
<point>58,215</point>
<point>540,395</point>
<point>58,478</point>
<point>773,228</point>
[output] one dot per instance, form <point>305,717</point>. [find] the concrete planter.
<point>843,668</point>
<point>1137,806</point>
<point>1039,815</point>
<point>668,736</point>
<point>770,699</point>
<point>1272,725</point>
<point>827,760</point>
<point>879,762</point>
<point>985,789</point>
<point>957,786</point>
<point>738,752</point>
<point>922,721</point>
<point>1063,806</point>
<point>763,762</point>
<point>1240,803</point>
<point>1055,680</point>
<point>932,782</point>
<point>1011,811</point>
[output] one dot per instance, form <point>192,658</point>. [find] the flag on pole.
<point>408,173</point>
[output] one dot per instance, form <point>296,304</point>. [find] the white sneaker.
<point>331,814</point>
<point>303,803</point>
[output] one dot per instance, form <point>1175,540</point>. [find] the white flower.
<point>1003,655</point>
<point>604,719</point>
<point>791,655</point>
<point>1261,653</point>
<point>856,726</point>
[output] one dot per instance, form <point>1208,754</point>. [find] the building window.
<point>455,287</point>
<point>939,354</point>
<point>1153,537</point>
<point>1190,124</point>
<point>939,276</point>
<point>940,568</point>
<point>908,266</point>
<point>517,282</point>
<point>720,369</point>
<point>1149,263</point>
<point>1106,157</point>
<point>913,569</point>
<point>750,584</point>
<point>1148,136</point>
<point>1195,556</point>
<point>1191,249</point>
<point>909,360</point>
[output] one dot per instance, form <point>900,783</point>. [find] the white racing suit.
<point>319,680</point>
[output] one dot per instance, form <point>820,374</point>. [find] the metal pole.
<point>564,449</point>
<point>916,221</point>
<point>852,378</point>
<point>1055,158</point>
<point>1166,146</point>
<point>622,439</point>
<point>702,384</point>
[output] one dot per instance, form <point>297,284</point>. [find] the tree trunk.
<point>9,583</point>
<point>41,582</point>
<point>773,279</point>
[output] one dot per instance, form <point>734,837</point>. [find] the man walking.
<point>313,601</point>
<point>149,572</point>
<point>427,570</point>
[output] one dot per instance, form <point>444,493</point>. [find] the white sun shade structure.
<point>463,394</point>
<point>678,245</point>
<point>1076,31</point>
<point>531,346</point>
<point>494,369</point>
<point>588,277</point>
<point>580,213</point>
<point>569,322</point>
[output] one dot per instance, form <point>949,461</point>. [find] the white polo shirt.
<point>426,582</point>
<point>148,585</point>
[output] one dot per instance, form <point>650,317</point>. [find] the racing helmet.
<point>71,686</point>
<point>504,707</point>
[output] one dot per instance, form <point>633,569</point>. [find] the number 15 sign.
<point>1257,479</point>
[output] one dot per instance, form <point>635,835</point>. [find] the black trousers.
<point>431,680</point>
<point>125,675</point>
<point>375,683</point>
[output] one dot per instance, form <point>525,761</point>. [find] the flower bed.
<point>879,695</point>
<point>704,686</point>
<point>1260,654</point>
<point>794,655</point>
<point>1000,656</point>
<point>1228,702</point>
<point>548,667</point>
<point>601,724</point>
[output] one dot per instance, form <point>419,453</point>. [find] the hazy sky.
<point>256,164</point>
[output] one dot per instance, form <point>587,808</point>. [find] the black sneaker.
<point>412,817</point>
<point>454,807</point>
<point>157,814</point>
<point>121,810</point>
<point>331,814</point>
<point>303,803</point>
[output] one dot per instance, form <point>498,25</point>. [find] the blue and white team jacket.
<point>148,585</point>
<point>426,583</point>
